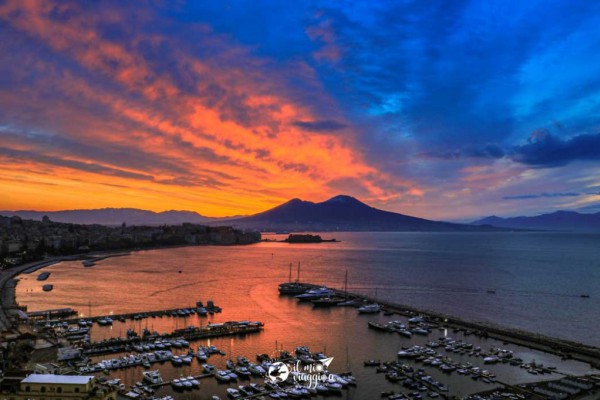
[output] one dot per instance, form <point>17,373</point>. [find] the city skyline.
<point>443,111</point>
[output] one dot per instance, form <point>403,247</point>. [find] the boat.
<point>177,385</point>
<point>47,288</point>
<point>208,368</point>
<point>349,303</point>
<point>232,375</point>
<point>222,376</point>
<point>243,372</point>
<point>328,301</point>
<point>105,321</point>
<point>245,390</point>
<point>177,361</point>
<point>585,296</point>
<point>195,383</point>
<point>233,393</point>
<point>372,363</point>
<point>490,360</point>
<point>315,294</point>
<point>369,309</point>
<point>43,276</point>
<point>152,377</point>
<point>186,383</point>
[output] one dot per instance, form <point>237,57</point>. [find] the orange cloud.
<point>114,131</point>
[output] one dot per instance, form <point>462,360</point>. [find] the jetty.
<point>182,312</point>
<point>563,348</point>
<point>119,345</point>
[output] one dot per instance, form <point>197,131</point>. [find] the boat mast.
<point>290,278</point>
<point>298,277</point>
<point>346,286</point>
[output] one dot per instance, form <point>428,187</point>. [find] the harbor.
<point>447,359</point>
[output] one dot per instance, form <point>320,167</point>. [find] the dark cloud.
<point>320,126</point>
<point>545,150</point>
<point>24,155</point>
<point>541,195</point>
<point>492,151</point>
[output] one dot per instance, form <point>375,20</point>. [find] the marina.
<point>185,312</point>
<point>336,328</point>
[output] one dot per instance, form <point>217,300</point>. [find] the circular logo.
<point>278,372</point>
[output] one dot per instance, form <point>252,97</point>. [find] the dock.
<point>119,345</point>
<point>181,312</point>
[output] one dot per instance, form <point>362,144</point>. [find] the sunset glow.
<point>185,107</point>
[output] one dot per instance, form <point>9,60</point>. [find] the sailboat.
<point>346,302</point>
<point>292,288</point>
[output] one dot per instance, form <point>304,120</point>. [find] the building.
<point>60,387</point>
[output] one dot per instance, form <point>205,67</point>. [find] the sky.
<point>448,110</point>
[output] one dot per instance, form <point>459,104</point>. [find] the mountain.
<point>559,220</point>
<point>340,213</point>
<point>114,216</point>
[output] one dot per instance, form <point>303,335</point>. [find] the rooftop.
<point>62,379</point>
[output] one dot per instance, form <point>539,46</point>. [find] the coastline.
<point>9,280</point>
<point>7,276</point>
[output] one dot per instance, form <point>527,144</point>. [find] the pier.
<point>119,345</point>
<point>181,312</point>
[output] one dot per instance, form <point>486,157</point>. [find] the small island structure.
<point>306,238</point>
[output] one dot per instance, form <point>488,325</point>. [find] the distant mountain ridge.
<point>558,221</point>
<point>114,216</point>
<point>340,213</point>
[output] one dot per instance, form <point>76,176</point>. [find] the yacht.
<point>177,361</point>
<point>291,288</point>
<point>186,383</point>
<point>369,309</point>
<point>222,376</point>
<point>328,301</point>
<point>195,383</point>
<point>176,383</point>
<point>152,377</point>
<point>243,371</point>
<point>315,294</point>
<point>208,368</point>
<point>233,393</point>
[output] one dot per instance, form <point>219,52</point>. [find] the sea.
<point>527,280</point>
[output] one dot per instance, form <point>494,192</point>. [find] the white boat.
<point>222,376</point>
<point>186,383</point>
<point>176,383</point>
<point>369,309</point>
<point>233,393</point>
<point>208,368</point>
<point>195,383</point>
<point>315,294</point>
<point>152,377</point>
<point>177,361</point>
